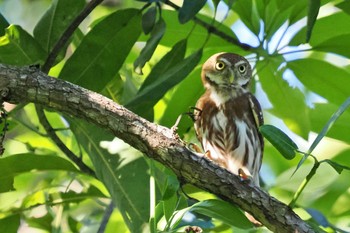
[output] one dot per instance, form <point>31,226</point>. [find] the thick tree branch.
<point>24,85</point>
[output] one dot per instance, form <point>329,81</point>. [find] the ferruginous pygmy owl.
<point>229,115</point>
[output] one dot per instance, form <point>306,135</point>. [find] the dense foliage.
<point>146,55</point>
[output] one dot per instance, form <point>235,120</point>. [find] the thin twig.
<point>51,133</point>
<point>212,29</point>
<point>68,33</point>
<point>106,217</point>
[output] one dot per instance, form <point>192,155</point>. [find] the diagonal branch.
<point>24,85</point>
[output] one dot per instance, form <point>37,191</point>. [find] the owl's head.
<point>226,69</point>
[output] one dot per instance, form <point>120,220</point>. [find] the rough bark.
<point>25,85</point>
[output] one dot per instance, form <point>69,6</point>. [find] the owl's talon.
<point>194,147</point>
<point>243,175</point>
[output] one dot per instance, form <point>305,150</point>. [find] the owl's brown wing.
<point>258,116</point>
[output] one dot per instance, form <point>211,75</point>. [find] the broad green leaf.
<point>279,140</point>
<point>124,175</point>
<point>55,21</point>
<point>10,224</point>
<point>18,47</point>
<point>324,29</point>
<point>198,35</point>
<point>248,14</point>
<point>151,94</point>
<point>338,44</point>
<point>345,6</point>
<point>298,9</point>
<point>173,57</point>
<point>184,97</point>
<point>286,100</point>
<point>323,78</point>
<point>13,165</point>
<point>3,24</point>
<point>219,210</point>
<point>329,124</point>
<point>151,45</point>
<point>149,19</point>
<point>313,8</point>
<point>103,50</point>
<point>325,130</point>
<point>321,113</point>
<point>189,9</point>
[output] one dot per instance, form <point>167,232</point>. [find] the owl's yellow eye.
<point>241,68</point>
<point>220,65</point>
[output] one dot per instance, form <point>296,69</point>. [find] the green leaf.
<point>192,88</point>
<point>248,13</point>
<point>173,57</point>
<point>279,140</point>
<point>325,130</point>
<point>189,9</point>
<point>151,45</point>
<point>18,47</point>
<point>14,165</point>
<point>286,100</point>
<point>337,167</point>
<point>329,124</point>
<point>338,44</point>
<point>323,78</point>
<point>345,6</point>
<point>321,114</point>
<point>151,94</point>
<point>219,210</point>
<point>125,175</point>
<point>313,8</point>
<point>324,29</point>
<point>149,19</point>
<point>3,24</point>
<point>103,50</point>
<point>10,224</point>
<point>198,36</point>
<point>55,21</point>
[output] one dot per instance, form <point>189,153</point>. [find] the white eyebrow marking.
<point>225,61</point>
<point>240,63</point>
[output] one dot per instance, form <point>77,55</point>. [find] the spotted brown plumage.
<point>229,116</point>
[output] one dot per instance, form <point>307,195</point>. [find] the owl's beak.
<point>232,77</point>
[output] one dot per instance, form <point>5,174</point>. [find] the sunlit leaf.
<point>338,44</point>
<point>18,47</point>
<point>321,114</point>
<point>324,29</point>
<point>248,14</point>
<point>313,8</point>
<point>323,78</point>
<point>325,129</point>
<point>279,140</point>
<point>286,100</point>
<point>13,165</point>
<point>151,45</point>
<point>329,124</point>
<point>55,21</point>
<point>126,178</point>
<point>189,9</point>
<point>219,210</point>
<point>103,50</point>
